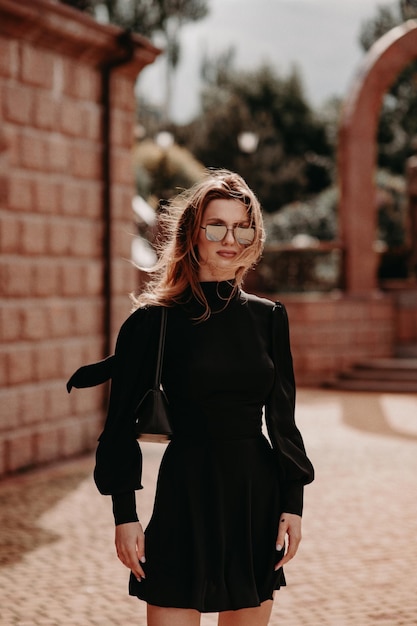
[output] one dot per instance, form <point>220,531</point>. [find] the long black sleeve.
<point>295,467</point>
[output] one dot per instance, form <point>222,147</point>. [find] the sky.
<point>319,36</point>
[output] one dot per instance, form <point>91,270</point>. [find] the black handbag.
<point>152,421</point>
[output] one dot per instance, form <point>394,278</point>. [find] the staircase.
<point>397,374</point>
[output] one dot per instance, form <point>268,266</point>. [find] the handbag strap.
<point>162,333</point>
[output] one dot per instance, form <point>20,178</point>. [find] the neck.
<point>207,276</point>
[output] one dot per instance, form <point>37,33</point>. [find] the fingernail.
<point>139,580</point>
<point>142,559</point>
<point>279,547</point>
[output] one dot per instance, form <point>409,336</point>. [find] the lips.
<point>226,254</point>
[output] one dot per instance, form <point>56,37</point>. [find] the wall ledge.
<point>65,30</point>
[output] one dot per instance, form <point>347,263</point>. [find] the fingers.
<point>282,532</point>
<point>290,527</point>
<point>130,547</point>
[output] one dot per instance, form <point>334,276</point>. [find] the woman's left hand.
<point>289,526</point>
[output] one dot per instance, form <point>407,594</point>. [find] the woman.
<point>227,512</point>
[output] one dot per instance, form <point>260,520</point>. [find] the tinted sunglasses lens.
<point>244,236</point>
<point>216,232</point>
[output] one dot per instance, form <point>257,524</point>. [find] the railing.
<point>292,268</point>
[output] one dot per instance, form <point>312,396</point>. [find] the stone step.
<point>382,386</point>
<point>361,373</point>
<point>390,374</point>
<point>393,364</point>
<point>408,350</point>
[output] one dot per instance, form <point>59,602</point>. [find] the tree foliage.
<point>149,18</point>
<point>397,132</point>
<point>291,142</point>
<point>145,16</point>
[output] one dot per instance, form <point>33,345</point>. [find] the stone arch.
<point>357,152</point>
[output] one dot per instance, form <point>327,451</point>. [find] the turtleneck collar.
<point>218,291</point>
<point>219,294</point>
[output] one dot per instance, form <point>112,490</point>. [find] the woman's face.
<point>219,259</point>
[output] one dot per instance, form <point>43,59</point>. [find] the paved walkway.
<point>357,565</point>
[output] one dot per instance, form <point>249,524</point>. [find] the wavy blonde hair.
<point>177,269</point>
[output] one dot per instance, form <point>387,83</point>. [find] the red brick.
<point>81,82</point>
<point>34,322</point>
<point>47,195</point>
<point>34,234</point>
<point>58,149</point>
<point>8,57</point>
<point>122,168</point>
<point>19,451</point>
<point>86,239</point>
<point>71,283</point>
<point>72,198</point>
<point>93,278</point>
<point>71,115</point>
<point>61,319</point>
<point>10,137</point>
<point>47,444</point>
<point>10,408</point>
<point>92,200</point>
<point>122,129</point>
<point>46,361</point>
<point>88,317</point>
<point>15,277</point>
<point>93,349</point>
<point>9,233</point>
<point>46,110</point>
<point>4,370</point>
<point>73,438</point>
<point>18,104</point>
<point>45,277</point>
<point>124,277</point>
<point>93,425</point>
<point>32,404</point>
<point>122,242</point>
<point>37,66</point>
<point>20,364</point>
<point>57,402</point>
<point>122,95</point>
<point>4,186</point>
<point>59,237</point>
<point>33,151</point>
<point>3,469</point>
<point>21,193</point>
<point>86,160</point>
<point>10,322</point>
<point>72,356</point>
<point>92,122</point>
<point>88,402</point>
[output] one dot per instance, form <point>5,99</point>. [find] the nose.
<point>229,236</point>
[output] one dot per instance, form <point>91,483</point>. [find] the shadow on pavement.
<point>25,498</point>
<point>365,412</point>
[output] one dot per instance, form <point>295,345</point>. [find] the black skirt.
<point>210,544</point>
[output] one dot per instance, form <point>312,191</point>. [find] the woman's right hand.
<point>130,547</point>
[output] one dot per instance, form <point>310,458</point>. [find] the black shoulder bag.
<point>152,421</point>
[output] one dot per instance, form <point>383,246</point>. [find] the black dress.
<point>210,543</point>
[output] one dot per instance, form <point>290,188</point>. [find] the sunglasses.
<point>244,235</point>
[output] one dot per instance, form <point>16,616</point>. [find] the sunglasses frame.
<point>233,229</point>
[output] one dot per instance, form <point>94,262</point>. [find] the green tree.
<point>284,167</point>
<point>397,131</point>
<point>150,18</point>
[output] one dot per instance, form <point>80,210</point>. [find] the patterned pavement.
<point>357,565</point>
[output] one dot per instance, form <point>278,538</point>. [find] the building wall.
<point>52,224</point>
<point>329,334</point>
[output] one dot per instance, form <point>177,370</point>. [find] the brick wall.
<point>329,334</point>
<point>51,222</point>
